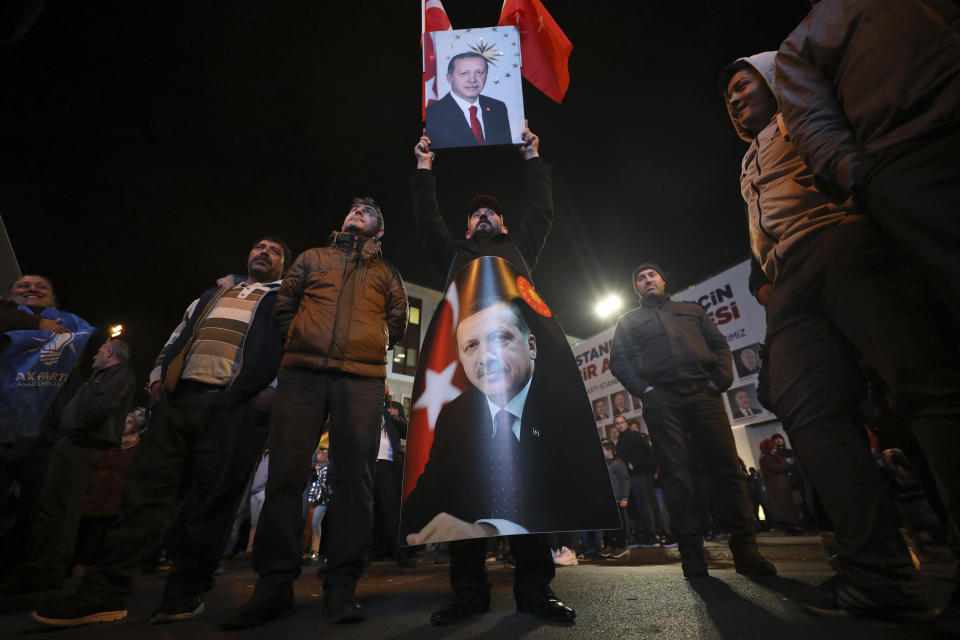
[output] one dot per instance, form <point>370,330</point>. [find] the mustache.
<point>494,366</point>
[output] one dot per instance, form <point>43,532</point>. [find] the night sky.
<point>146,145</point>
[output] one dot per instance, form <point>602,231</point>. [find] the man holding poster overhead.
<point>512,375</point>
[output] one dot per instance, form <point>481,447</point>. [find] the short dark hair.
<point>287,257</point>
<point>53,295</point>
<point>731,70</point>
<point>121,350</point>
<point>367,201</point>
<point>466,54</point>
<point>609,445</point>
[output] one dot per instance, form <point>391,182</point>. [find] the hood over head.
<point>763,63</point>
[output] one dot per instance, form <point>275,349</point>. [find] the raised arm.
<point>434,234</point>
<point>537,216</point>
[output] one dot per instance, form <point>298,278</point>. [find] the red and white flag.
<point>440,379</point>
<point>543,46</point>
<point>432,18</point>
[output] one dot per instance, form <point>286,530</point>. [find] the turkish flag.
<point>432,18</point>
<point>439,379</point>
<point>544,47</point>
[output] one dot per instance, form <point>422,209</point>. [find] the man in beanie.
<point>672,355</point>
<point>487,236</point>
<point>817,266</point>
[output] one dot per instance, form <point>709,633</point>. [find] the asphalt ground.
<point>612,599</point>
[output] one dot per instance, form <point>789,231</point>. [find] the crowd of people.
<point>851,189</point>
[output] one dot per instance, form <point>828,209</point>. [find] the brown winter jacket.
<point>341,307</point>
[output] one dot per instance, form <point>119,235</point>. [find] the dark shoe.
<point>618,554</point>
<point>260,609</point>
<point>75,611</point>
<point>457,611</point>
<point>342,607</point>
<point>836,597</point>
<point>691,557</point>
<point>547,606</point>
<point>176,610</point>
<point>748,561</point>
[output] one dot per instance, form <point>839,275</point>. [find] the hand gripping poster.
<point>502,439</point>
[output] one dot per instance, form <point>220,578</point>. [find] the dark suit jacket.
<point>447,126</point>
<point>737,413</point>
<point>563,478</point>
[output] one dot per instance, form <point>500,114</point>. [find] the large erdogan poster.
<point>502,438</point>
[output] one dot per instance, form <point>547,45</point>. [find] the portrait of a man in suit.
<point>746,361</point>
<point>464,117</point>
<point>506,458</point>
<point>743,406</point>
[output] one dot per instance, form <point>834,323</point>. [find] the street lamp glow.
<point>116,330</point>
<point>608,306</point>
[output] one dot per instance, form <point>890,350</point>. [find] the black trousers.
<point>913,191</point>
<point>24,463</point>
<point>211,440</point>
<point>691,427</point>
<point>305,398</point>
<point>849,300</point>
<point>531,575</point>
<point>386,503</point>
<point>57,519</point>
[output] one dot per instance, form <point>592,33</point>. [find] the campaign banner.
<point>501,430</point>
<point>32,370</point>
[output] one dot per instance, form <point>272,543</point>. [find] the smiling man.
<point>817,264</point>
<point>211,394</point>
<point>464,117</point>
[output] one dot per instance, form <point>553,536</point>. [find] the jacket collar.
<point>350,243</point>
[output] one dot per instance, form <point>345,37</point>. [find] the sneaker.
<point>75,611</point>
<point>668,542</point>
<point>618,554</point>
<point>605,552</point>
<point>836,597</point>
<point>177,610</point>
<point>566,558</point>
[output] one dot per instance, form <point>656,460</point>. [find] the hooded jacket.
<point>783,206</point>
<point>342,307</point>
<point>858,78</point>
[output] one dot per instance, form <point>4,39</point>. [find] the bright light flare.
<point>116,331</point>
<point>608,306</point>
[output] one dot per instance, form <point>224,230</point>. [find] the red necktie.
<point>475,125</point>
